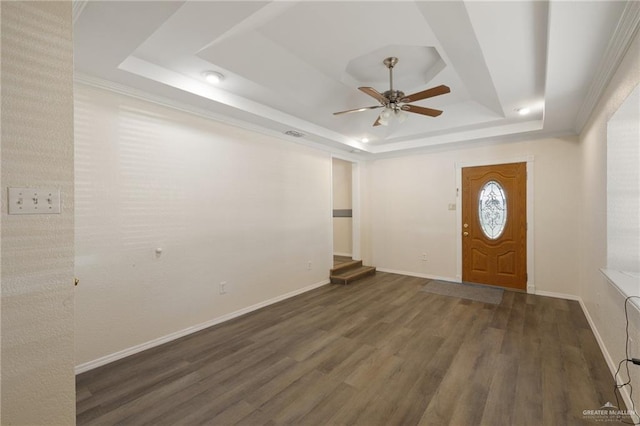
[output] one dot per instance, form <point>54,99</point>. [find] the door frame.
<point>528,159</point>
<point>356,252</point>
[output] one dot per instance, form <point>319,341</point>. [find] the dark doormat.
<point>478,293</point>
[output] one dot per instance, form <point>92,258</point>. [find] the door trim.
<point>528,159</point>
<point>356,249</point>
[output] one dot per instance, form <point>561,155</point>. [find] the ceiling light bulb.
<point>213,77</point>
<point>364,140</point>
<point>401,116</point>
<point>385,116</point>
<point>524,111</point>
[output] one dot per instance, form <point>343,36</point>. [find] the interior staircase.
<point>350,271</point>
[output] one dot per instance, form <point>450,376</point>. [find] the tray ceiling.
<point>290,65</point>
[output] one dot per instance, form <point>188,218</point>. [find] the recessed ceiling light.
<point>523,111</point>
<point>213,77</point>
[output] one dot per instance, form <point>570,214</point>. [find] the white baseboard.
<point>605,352</point>
<point>603,348</point>
<point>419,275</point>
<point>81,368</point>
<point>343,254</point>
<point>558,295</point>
<point>607,356</point>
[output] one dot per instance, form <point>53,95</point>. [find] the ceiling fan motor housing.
<point>393,96</point>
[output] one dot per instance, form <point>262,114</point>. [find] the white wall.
<point>604,304</point>
<point>223,203</point>
<point>410,197</point>
<point>342,199</point>
<point>623,186</point>
<point>38,383</point>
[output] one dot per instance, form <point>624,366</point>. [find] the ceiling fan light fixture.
<point>213,77</point>
<point>395,102</point>
<point>385,116</point>
<point>400,115</point>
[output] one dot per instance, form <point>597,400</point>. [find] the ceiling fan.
<point>395,101</point>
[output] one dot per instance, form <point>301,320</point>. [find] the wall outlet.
<point>424,257</point>
<point>223,287</point>
<point>309,265</point>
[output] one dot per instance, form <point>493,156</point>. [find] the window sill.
<point>627,283</point>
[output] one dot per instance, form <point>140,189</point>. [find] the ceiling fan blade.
<point>421,110</point>
<point>374,94</point>
<point>377,122</point>
<point>357,109</point>
<point>429,93</point>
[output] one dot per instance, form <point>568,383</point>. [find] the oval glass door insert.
<point>492,209</point>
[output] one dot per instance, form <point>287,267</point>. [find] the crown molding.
<point>616,49</point>
<point>350,155</point>
<point>478,143</point>
<point>80,78</point>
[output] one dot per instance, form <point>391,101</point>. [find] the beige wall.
<point>342,226</point>
<point>410,197</point>
<point>604,304</point>
<point>38,384</point>
<point>223,204</point>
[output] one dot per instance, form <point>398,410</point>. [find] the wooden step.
<point>345,266</point>
<point>350,275</point>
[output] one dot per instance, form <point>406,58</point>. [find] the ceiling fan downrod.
<point>392,95</point>
<point>390,62</point>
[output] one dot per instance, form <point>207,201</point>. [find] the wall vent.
<point>294,133</point>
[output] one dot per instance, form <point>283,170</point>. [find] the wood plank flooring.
<point>376,352</point>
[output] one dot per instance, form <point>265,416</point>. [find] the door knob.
<point>466,225</point>
<point>465,233</point>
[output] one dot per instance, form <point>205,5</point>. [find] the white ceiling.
<point>289,65</point>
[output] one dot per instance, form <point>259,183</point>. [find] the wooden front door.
<point>494,225</point>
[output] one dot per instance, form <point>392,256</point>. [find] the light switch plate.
<point>34,201</point>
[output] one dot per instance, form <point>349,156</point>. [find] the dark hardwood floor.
<point>376,352</point>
